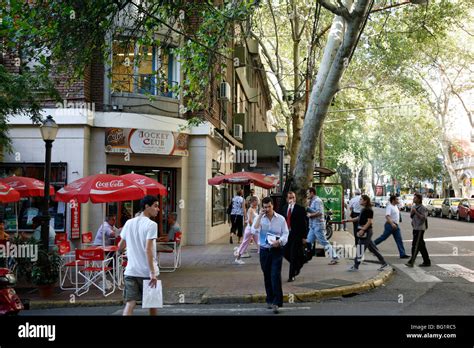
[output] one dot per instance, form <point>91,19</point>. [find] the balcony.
<point>145,93</point>
<point>147,84</point>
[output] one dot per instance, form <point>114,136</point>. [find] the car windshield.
<point>455,200</point>
<point>437,202</point>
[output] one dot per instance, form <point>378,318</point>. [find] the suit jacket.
<point>298,222</point>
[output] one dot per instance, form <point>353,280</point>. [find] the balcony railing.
<point>148,84</point>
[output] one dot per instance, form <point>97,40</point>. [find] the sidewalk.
<point>208,275</point>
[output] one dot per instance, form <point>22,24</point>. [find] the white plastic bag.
<point>152,297</point>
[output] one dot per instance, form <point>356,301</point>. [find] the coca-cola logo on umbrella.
<point>109,184</point>
<point>38,183</point>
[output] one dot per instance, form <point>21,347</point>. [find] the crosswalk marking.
<point>447,239</point>
<point>417,274</point>
<point>459,271</point>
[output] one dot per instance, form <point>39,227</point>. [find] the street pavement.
<point>209,276</point>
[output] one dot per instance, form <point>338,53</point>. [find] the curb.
<point>372,283</point>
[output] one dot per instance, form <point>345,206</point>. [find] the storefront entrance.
<point>127,210</point>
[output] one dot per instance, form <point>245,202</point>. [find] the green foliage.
<point>45,270</point>
<point>23,265</point>
<point>75,33</point>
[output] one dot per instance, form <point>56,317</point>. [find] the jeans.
<point>418,245</point>
<point>271,260</point>
<point>317,232</point>
<point>388,230</point>
<point>367,243</point>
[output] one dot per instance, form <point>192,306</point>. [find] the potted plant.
<point>45,271</point>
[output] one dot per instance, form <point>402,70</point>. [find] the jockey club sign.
<point>143,141</point>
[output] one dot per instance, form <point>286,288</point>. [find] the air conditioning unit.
<point>224,91</point>
<point>238,130</point>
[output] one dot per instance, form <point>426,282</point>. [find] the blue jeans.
<point>388,230</point>
<point>271,260</point>
<point>317,232</point>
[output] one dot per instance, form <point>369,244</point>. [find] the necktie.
<point>288,216</point>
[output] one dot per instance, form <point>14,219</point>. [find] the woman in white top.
<point>248,235</point>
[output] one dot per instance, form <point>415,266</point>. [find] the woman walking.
<point>248,235</point>
<point>364,234</point>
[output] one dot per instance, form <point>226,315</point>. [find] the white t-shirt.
<point>136,232</point>
<point>354,203</point>
<point>393,212</point>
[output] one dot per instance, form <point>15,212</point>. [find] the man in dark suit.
<point>295,216</point>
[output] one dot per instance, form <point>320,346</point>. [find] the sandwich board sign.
<point>332,196</point>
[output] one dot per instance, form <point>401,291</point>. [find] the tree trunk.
<point>297,124</point>
<point>341,42</point>
<point>450,169</point>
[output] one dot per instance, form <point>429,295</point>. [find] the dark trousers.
<point>364,243</point>
<point>293,252</point>
<point>355,224</point>
<point>418,245</point>
<point>270,262</point>
<point>237,224</point>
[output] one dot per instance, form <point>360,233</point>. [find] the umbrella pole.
<point>103,220</point>
<point>16,220</point>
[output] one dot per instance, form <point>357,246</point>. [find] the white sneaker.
<point>236,252</point>
<point>245,255</point>
<point>239,262</point>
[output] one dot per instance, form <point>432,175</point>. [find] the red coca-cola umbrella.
<point>8,194</point>
<point>152,187</point>
<point>27,187</point>
<point>244,178</point>
<point>100,188</point>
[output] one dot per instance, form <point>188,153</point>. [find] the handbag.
<point>229,208</point>
<point>152,297</point>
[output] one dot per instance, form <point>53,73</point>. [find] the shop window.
<point>219,205</point>
<point>143,69</point>
<point>23,212</point>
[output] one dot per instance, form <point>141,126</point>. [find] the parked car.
<point>380,201</point>
<point>436,203</point>
<point>408,201</point>
<point>427,202</point>
<point>401,204</point>
<point>466,209</point>
<point>449,208</point>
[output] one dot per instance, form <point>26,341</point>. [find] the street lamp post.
<point>281,138</point>
<point>287,161</point>
<point>49,129</point>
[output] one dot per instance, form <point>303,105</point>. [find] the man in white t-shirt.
<point>392,215</point>
<point>237,216</point>
<point>355,209</point>
<point>139,237</point>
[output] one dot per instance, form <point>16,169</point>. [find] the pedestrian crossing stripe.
<point>417,274</point>
<point>459,270</point>
<point>421,276</point>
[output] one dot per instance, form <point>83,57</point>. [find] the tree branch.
<point>340,10</point>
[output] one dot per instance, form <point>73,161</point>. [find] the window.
<point>23,212</point>
<point>155,71</point>
<point>219,205</point>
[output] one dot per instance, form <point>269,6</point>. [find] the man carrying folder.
<point>273,233</point>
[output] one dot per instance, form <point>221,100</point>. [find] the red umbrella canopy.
<point>8,194</point>
<point>151,187</point>
<point>100,188</point>
<point>244,178</point>
<point>27,187</point>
